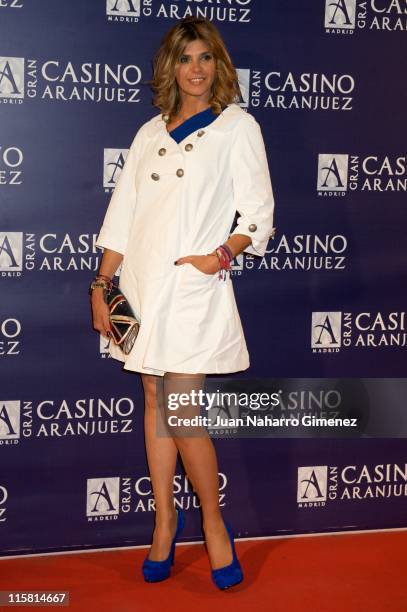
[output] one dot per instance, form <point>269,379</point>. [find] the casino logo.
<point>10,422</point>
<point>339,174</point>
<point>113,162</point>
<point>326,331</point>
<point>65,81</point>
<point>143,498</point>
<point>332,173</point>
<point>293,252</point>
<point>65,418</point>
<point>340,15</point>
<point>114,496</point>
<point>305,252</point>
<point>346,16</point>
<point>123,10</point>
<point>312,485</point>
<point>49,252</point>
<point>321,485</point>
<point>296,91</point>
<point>12,80</point>
<point>103,498</point>
<point>331,331</point>
<point>11,253</point>
<point>132,11</point>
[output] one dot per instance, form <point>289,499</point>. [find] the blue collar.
<point>197,121</point>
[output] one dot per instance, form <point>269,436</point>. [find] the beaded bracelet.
<point>225,256</point>
<point>225,246</point>
<point>224,259</point>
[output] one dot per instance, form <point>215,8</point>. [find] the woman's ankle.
<point>164,516</point>
<point>213,522</point>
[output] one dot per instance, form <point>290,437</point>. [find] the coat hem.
<point>145,370</point>
<point>164,367</point>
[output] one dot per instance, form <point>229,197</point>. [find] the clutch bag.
<point>124,324</point>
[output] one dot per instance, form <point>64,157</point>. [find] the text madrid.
<point>257,421</point>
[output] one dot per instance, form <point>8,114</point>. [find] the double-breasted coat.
<point>176,199</point>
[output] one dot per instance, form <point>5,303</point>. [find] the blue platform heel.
<point>229,575</point>
<point>155,571</point>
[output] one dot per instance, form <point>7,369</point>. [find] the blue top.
<point>197,121</point>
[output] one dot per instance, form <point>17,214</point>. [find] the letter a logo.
<point>10,417</point>
<point>312,483</point>
<point>114,160</point>
<point>11,77</point>
<point>11,251</point>
<point>103,496</point>
<point>340,14</point>
<point>129,8</point>
<point>326,330</point>
<point>332,172</point>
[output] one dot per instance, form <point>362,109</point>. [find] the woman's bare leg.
<point>200,462</point>
<point>161,457</point>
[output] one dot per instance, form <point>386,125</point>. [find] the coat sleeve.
<point>252,189</point>
<point>115,229</point>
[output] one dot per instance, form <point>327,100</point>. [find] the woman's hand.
<point>100,312</point>
<point>208,264</point>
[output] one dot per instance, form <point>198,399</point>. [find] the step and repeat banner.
<point>324,311</point>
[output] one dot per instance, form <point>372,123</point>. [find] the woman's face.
<point>195,70</point>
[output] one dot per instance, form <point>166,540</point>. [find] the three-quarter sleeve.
<point>116,226</point>
<point>252,189</point>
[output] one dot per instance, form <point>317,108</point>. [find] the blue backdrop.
<point>323,311</point>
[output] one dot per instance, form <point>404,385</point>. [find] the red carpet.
<point>345,573</point>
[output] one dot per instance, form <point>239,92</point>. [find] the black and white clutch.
<point>124,324</point>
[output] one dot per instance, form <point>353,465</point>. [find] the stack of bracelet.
<point>225,256</point>
<point>102,281</point>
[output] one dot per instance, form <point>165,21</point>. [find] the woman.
<point>188,170</point>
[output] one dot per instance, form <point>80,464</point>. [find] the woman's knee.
<point>151,385</point>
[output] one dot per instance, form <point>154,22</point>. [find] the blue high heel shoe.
<point>155,571</point>
<point>229,575</point>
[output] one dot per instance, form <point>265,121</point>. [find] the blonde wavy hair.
<point>225,88</point>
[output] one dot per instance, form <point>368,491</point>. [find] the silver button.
<point>189,147</point>
<point>162,151</point>
<point>201,133</point>
<point>155,176</point>
<point>252,227</point>
<point>180,172</point>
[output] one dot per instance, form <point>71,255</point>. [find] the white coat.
<point>173,200</point>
